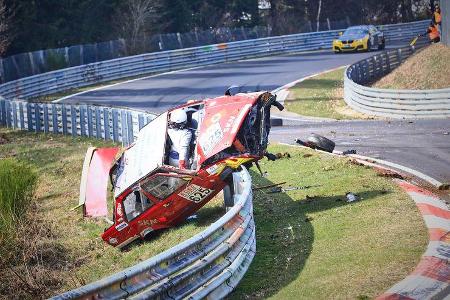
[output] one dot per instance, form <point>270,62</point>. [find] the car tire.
<point>382,46</point>
<point>228,196</point>
<point>276,122</point>
<point>369,45</point>
<point>321,143</point>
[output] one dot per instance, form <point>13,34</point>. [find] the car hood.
<point>347,37</point>
<point>223,119</point>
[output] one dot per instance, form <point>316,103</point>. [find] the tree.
<point>5,28</point>
<point>133,21</point>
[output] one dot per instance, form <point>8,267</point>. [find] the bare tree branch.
<point>133,20</point>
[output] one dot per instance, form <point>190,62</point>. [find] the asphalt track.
<point>423,145</point>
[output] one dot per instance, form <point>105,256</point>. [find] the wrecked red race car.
<point>152,193</point>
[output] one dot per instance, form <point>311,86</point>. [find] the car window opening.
<point>161,187</point>
<point>135,204</point>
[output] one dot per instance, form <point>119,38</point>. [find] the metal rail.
<point>210,264</point>
<point>116,124</point>
<point>391,103</point>
<point>80,76</point>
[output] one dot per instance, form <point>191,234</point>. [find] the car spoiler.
<point>94,181</point>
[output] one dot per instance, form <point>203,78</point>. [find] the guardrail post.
<point>399,55</point>
<point>8,113</point>
<point>73,121</point>
<point>2,112</point>
<point>115,125</point>
<point>22,116</point>
<point>55,118</point>
<point>130,128</point>
<point>89,121</point>
<point>29,118</point>
<point>98,123</point>
<point>37,117</point>
<point>106,127</point>
<point>14,115</point>
<point>82,109</point>
<point>46,121</point>
<point>140,121</point>
<point>123,125</point>
<point>64,118</point>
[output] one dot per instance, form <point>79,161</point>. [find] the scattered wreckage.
<point>150,194</point>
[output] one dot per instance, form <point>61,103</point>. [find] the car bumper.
<point>355,46</point>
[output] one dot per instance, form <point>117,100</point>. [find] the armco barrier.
<point>210,264</point>
<point>119,125</point>
<point>56,81</point>
<point>391,103</point>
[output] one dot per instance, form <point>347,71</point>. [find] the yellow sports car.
<point>359,38</point>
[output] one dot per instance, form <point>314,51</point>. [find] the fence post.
<point>64,118</point>
<point>98,123</point>
<point>8,114</point>
<point>130,128</point>
<point>14,115</point>
<point>82,121</point>
<point>37,117</point>
<point>46,126</point>
<point>29,118</point>
<point>22,117</point>
<point>399,55</point>
<point>55,119</point>
<point>73,120</point>
<point>2,112</point>
<point>89,121</point>
<point>123,123</point>
<point>115,125</point>
<point>106,123</point>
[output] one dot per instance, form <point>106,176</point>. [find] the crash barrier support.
<point>386,102</point>
<point>75,77</point>
<point>116,124</point>
<point>210,264</point>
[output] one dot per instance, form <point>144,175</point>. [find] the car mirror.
<point>232,90</point>
<point>341,33</point>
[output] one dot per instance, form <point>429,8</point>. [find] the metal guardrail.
<point>119,125</point>
<point>210,264</point>
<point>75,77</point>
<point>391,103</point>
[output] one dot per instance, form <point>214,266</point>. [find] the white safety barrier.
<point>391,103</point>
<point>75,77</point>
<point>208,265</point>
<point>117,124</point>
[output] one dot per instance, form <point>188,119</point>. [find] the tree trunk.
<point>318,15</point>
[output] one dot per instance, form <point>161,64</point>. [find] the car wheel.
<point>369,46</point>
<point>228,195</point>
<point>382,46</point>
<point>321,143</point>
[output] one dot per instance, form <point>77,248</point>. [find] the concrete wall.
<point>445,8</point>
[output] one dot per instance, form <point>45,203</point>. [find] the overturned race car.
<point>150,192</point>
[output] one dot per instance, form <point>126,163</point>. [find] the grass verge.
<point>312,244</point>
<point>321,96</point>
<point>57,249</point>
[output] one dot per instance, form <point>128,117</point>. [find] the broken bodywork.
<point>150,194</point>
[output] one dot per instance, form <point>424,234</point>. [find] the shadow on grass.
<point>285,238</point>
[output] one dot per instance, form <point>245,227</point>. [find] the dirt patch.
<point>3,139</point>
<point>427,69</point>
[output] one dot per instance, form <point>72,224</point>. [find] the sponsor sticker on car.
<point>195,193</point>
<point>213,136</point>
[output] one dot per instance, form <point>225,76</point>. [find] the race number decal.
<point>195,193</point>
<point>212,137</point>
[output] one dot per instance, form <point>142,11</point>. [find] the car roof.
<point>359,27</point>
